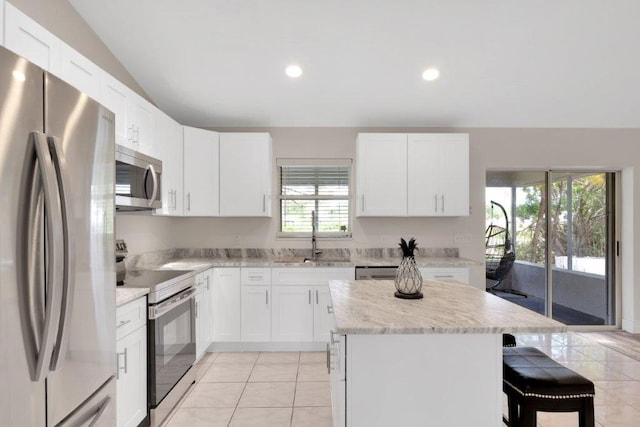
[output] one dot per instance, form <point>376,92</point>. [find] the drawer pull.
<point>122,323</point>
<point>443,276</point>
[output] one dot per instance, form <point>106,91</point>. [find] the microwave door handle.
<point>154,176</point>
<point>39,355</point>
<point>60,165</point>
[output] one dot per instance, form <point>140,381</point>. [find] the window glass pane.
<point>320,188</point>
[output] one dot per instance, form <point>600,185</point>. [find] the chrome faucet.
<point>314,248</point>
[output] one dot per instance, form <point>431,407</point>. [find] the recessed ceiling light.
<point>430,74</point>
<point>293,71</point>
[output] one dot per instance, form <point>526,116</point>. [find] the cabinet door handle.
<point>266,295</point>
<point>264,203</point>
<point>196,314</point>
<point>363,203</point>
<point>208,283</point>
<point>122,323</point>
<point>443,276</point>
<point>317,299</point>
<point>442,208</point>
<point>189,201</point>
<point>121,368</point>
<point>309,296</point>
<point>328,359</point>
<point>435,197</point>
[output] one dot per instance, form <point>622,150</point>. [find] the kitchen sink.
<point>290,259</point>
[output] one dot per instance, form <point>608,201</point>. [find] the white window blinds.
<point>321,186</point>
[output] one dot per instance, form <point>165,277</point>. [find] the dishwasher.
<point>372,272</point>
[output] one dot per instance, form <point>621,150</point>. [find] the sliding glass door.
<point>561,225</point>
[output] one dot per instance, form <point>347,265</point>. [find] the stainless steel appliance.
<point>57,293</point>
<point>376,272</point>
<point>171,336</point>
<point>121,267</point>
<point>138,181</point>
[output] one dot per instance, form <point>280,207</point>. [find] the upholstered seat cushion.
<point>508,340</point>
<point>533,373</point>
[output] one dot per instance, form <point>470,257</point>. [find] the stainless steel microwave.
<point>138,181</point>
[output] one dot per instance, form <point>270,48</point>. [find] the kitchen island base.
<point>422,380</point>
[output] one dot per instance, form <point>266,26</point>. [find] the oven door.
<point>172,345</point>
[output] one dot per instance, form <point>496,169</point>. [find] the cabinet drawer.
<point>255,276</point>
<point>446,274</point>
<point>130,317</point>
<point>311,276</point>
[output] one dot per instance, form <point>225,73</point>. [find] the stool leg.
<point>513,411</point>
<point>528,415</point>
<point>586,416</point>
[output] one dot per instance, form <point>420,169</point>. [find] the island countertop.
<point>368,307</point>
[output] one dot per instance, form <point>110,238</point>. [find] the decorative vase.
<point>408,279</point>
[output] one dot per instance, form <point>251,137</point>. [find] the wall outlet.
<point>462,237</point>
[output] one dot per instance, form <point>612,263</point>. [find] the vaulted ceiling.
<point>503,63</point>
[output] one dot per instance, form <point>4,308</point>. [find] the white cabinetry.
<point>438,174</point>
<point>201,179</point>
<point>140,125</point>
<point>337,377</point>
<point>79,72</point>
<point>412,174</point>
<point>28,39</point>
<point>381,165</point>
<point>458,274</point>
<point>292,313</point>
<point>245,174</point>
<point>169,138</point>
<point>300,299</point>
<point>203,312</point>
<point>115,96</point>
<point>256,304</point>
<point>225,303</point>
<point>1,22</point>
<point>131,348</point>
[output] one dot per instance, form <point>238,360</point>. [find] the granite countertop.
<point>368,307</point>
<point>125,295</point>
<point>202,259</point>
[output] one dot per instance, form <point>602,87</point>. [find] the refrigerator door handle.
<point>39,351</point>
<point>60,165</point>
<point>101,409</point>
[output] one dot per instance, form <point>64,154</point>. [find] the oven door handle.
<point>165,307</point>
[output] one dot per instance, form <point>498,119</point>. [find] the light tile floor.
<point>292,389</point>
<point>616,377</point>
<point>257,389</point>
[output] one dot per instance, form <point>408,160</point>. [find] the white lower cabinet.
<point>203,312</point>
<point>225,305</point>
<point>256,313</point>
<point>292,313</point>
<point>300,300</point>
<point>338,379</point>
<point>131,374</point>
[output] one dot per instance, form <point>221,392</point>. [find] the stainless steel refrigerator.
<point>57,269</point>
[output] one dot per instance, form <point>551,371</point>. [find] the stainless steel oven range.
<point>171,348</point>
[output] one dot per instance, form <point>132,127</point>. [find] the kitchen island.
<point>436,361</point>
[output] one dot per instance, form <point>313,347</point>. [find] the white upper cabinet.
<point>201,179</point>
<point>1,22</point>
<point>245,174</point>
<point>115,96</point>
<point>170,151</point>
<point>79,72</point>
<point>140,126</point>
<point>438,174</point>
<point>381,174</point>
<point>412,175</point>
<point>30,40</point>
